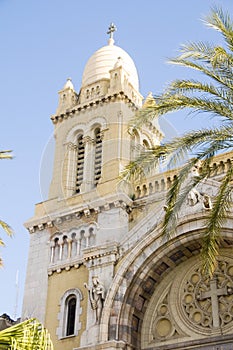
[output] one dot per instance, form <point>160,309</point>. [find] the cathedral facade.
<point>99,275</point>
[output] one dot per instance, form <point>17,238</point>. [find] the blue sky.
<point>44,42</point>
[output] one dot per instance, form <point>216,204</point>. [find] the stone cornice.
<point>102,251</point>
<point>120,96</point>
<point>57,219</point>
<point>59,267</point>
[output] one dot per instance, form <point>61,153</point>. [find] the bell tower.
<point>75,234</point>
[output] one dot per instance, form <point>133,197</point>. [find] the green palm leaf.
<point>214,97</point>
<point>28,335</point>
<point>5,154</point>
<point>4,225</point>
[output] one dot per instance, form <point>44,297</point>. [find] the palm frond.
<point>214,222</point>
<point>147,160</point>
<point>214,97</point>
<point>174,152</point>
<point>192,86</point>
<point>171,103</point>
<point>6,228</point>
<point>207,55</point>
<point>180,188</point>
<point>209,71</point>
<point>6,154</point>
<point>10,233</point>
<point>221,21</point>
<point>28,335</point>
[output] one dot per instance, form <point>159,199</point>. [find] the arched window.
<point>56,249</point>
<point>65,247</point>
<point>71,307</point>
<point>145,145</point>
<point>98,156</point>
<point>134,144</point>
<point>69,314</point>
<point>80,163</point>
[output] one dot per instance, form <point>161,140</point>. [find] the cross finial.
<point>112,28</point>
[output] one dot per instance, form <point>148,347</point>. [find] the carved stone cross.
<point>213,294</point>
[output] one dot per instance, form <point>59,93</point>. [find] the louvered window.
<point>80,163</point>
<point>98,156</point>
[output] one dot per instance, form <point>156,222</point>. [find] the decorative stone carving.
<point>163,326</point>
<point>87,139</point>
<point>31,229</point>
<point>58,221</point>
<point>96,296</point>
<point>72,146</point>
<point>186,305</point>
<point>206,202</point>
<point>87,213</point>
<point>208,303</point>
<point>97,210</point>
<point>50,224</point>
<point>194,195</point>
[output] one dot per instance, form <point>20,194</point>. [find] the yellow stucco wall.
<point>58,284</point>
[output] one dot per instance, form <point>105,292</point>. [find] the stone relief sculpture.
<point>194,196</point>
<point>96,294</point>
<point>208,303</point>
<point>206,201</point>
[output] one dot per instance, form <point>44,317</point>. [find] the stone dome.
<point>105,59</point>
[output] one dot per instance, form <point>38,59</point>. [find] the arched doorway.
<point>143,310</point>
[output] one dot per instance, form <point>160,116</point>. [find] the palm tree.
<point>213,95</point>
<point>28,335</point>
<point>4,225</point>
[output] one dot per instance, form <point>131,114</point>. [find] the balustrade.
<point>68,246</point>
<point>164,180</point>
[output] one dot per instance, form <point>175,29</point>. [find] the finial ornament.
<point>112,28</point>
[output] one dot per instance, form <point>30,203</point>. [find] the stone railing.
<point>161,182</point>
<point>66,248</point>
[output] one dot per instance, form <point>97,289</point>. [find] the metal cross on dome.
<point>112,28</point>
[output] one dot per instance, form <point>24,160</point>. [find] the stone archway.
<point>138,278</point>
<point>188,307</point>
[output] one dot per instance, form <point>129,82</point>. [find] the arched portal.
<point>145,311</point>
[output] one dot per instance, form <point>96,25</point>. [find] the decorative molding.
<point>87,213</point>
<point>111,98</point>
<point>207,304</point>
<point>88,139</point>
<point>31,229</point>
<point>72,146</point>
<point>48,222</point>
